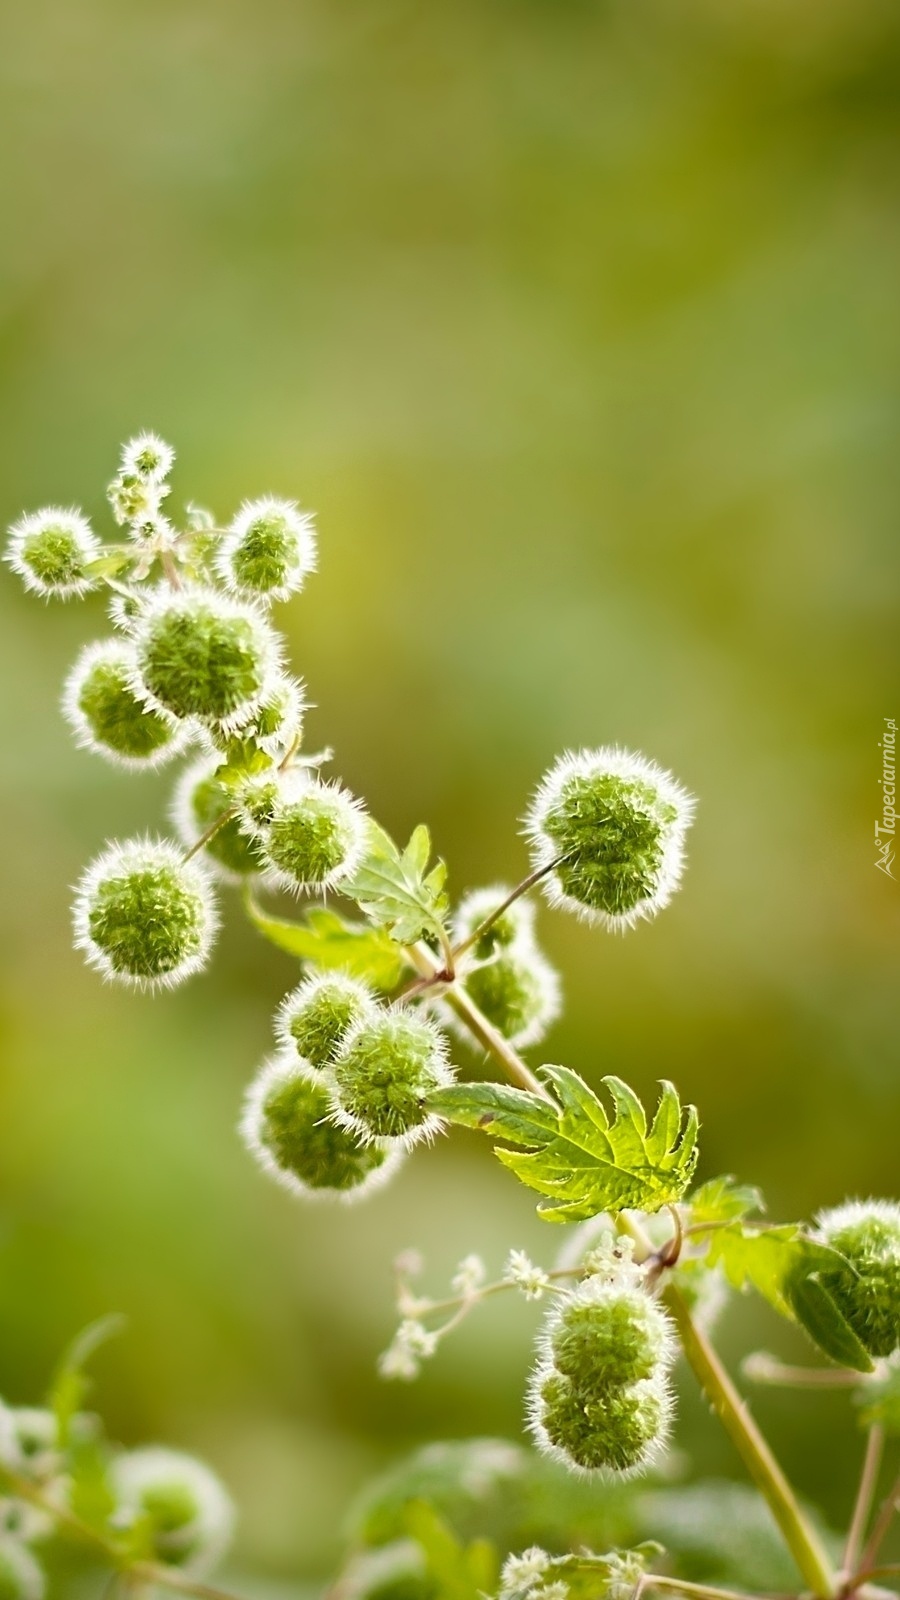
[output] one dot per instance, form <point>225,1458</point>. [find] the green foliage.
<point>579,1159</point>
<point>329,940</point>
<point>458,1571</point>
<point>71,1385</point>
<point>397,890</point>
<point>724,1200</point>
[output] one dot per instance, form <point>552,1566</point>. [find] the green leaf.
<point>111,561</point>
<point>575,1156</point>
<point>331,941</point>
<point>724,1200</point>
<point>395,891</point>
<point>817,1312</point>
<point>461,1572</point>
<point>879,1401</point>
<point>70,1383</point>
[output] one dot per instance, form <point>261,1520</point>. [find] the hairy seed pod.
<point>190,1514</point>
<point>615,824</point>
<point>268,550</point>
<point>516,922</point>
<point>286,1125</point>
<point>867,1290</point>
<point>21,1578</point>
<point>51,550</point>
<point>518,991</point>
<point>314,1018</point>
<point>200,798</point>
<point>599,1396</point>
<point>144,916</point>
<point>147,456</point>
<point>200,654</point>
<point>276,724</point>
<point>315,834</point>
<point>383,1073</point>
<point>106,716</point>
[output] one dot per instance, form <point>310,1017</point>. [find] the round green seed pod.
<point>615,824</point>
<point>21,1578</point>
<point>268,550</point>
<point>189,1513</point>
<point>144,916</point>
<point>313,1020</point>
<point>199,800</point>
<point>51,550</point>
<point>867,1290</point>
<point>315,835</point>
<point>599,1397</point>
<point>200,654</point>
<point>107,717</point>
<point>515,924</point>
<point>383,1073</point>
<point>275,725</point>
<point>518,991</point>
<point>287,1126</point>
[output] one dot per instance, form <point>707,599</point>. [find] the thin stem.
<point>882,1522</point>
<point>862,1509</point>
<point>212,830</point>
<point>477,1023</point>
<point>890,1570</point>
<point>516,894</point>
<point>760,1367</point>
<point>698,1591</point>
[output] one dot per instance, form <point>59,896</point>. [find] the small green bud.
<point>147,456</point>
<point>188,1512</point>
<point>516,923</point>
<point>518,991</point>
<point>599,1397</point>
<point>315,834</point>
<point>287,1126</point>
<point>619,822</point>
<point>383,1073</point>
<point>199,800</point>
<point>20,1576</point>
<point>313,1019</point>
<point>200,654</point>
<point>124,609</point>
<point>274,725</point>
<point>134,498</point>
<point>143,915</point>
<point>106,715</point>
<point>51,551</point>
<point>867,1290</point>
<point>268,550</point>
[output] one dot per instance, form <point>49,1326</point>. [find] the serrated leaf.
<point>394,890</point>
<point>724,1200</point>
<point>582,1161</point>
<point>329,940</point>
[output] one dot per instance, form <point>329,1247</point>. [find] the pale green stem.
<point>212,830</point>
<point>862,1509</point>
<point>477,1023</point>
<point>697,1591</point>
<point>885,1517</point>
<point>516,894</point>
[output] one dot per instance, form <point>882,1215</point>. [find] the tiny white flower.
<point>520,1270</point>
<point>469,1276</point>
<point>521,1573</point>
<point>147,456</point>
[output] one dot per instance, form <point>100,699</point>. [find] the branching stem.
<point>211,831</point>
<point>862,1510</point>
<point>516,894</point>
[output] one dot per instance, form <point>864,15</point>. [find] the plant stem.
<point>477,1023</point>
<point>212,830</point>
<point>883,1521</point>
<point>698,1591</point>
<point>862,1509</point>
<point>760,1367</point>
<point>516,894</point>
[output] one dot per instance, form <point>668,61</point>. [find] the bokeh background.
<point>578,325</point>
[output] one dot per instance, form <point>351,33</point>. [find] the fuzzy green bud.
<point>275,725</point>
<point>200,654</point>
<point>287,1126</point>
<point>314,834</point>
<point>867,1289</point>
<point>383,1074</point>
<point>268,550</point>
<point>148,457</point>
<point>185,1509</point>
<point>199,800</point>
<point>615,825</point>
<point>315,1017</point>
<point>143,915</point>
<point>106,716</point>
<point>518,991</point>
<point>599,1397</point>
<point>51,550</point>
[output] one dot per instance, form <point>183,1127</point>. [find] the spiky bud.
<point>518,991</point>
<point>268,550</point>
<point>188,1513</point>
<point>124,609</point>
<point>286,1125</point>
<point>200,799</point>
<point>515,924</point>
<point>200,654</point>
<point>134,498</point>
<point>615,824</point>
<point>314,1018</point>
<point>384,1072</point>
<point>599,1396</point>
<point>21,1578</point>
<point>106,715</point>
<point>144,916</point>
<point>51,550</point>
<point>867,1289</point>
<point>148,456</point>
<point>315,834</point>
<point>274,725</point>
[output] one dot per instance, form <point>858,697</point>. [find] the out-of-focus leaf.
<point>395,890</point>
<point>70,1383</point>
<point>330,940</point>
<point>724,1200</point>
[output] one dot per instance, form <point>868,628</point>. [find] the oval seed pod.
<point>286,1126</point>
<point>201,654</point>
<point>198,801</point>
<point>268,550</point>
<point>144,916</point>
<point>618,822</point>
<point>51,551</point>
<point>383,1073</point>
<point>315,834</point>
<point>313,1020</point>
<point>190,1513</point>
<point>867,1290</point>
<point>518,991</point>
<point>107,717</point>
<point>599,1398</point>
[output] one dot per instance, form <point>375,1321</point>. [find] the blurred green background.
<point>578,325</point>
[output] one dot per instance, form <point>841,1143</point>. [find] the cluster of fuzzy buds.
<point>867,1288</point>
<point>503,970</point>
<point>607,830</point>
<point>599,1396</point>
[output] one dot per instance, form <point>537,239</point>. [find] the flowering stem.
<point>863,1507</point>
<point>516,894</point>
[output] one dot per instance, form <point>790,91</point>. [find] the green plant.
<point>362,1072</point>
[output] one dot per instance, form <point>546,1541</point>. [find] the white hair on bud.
<point>30,527</point>
<point>200,1543</point>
